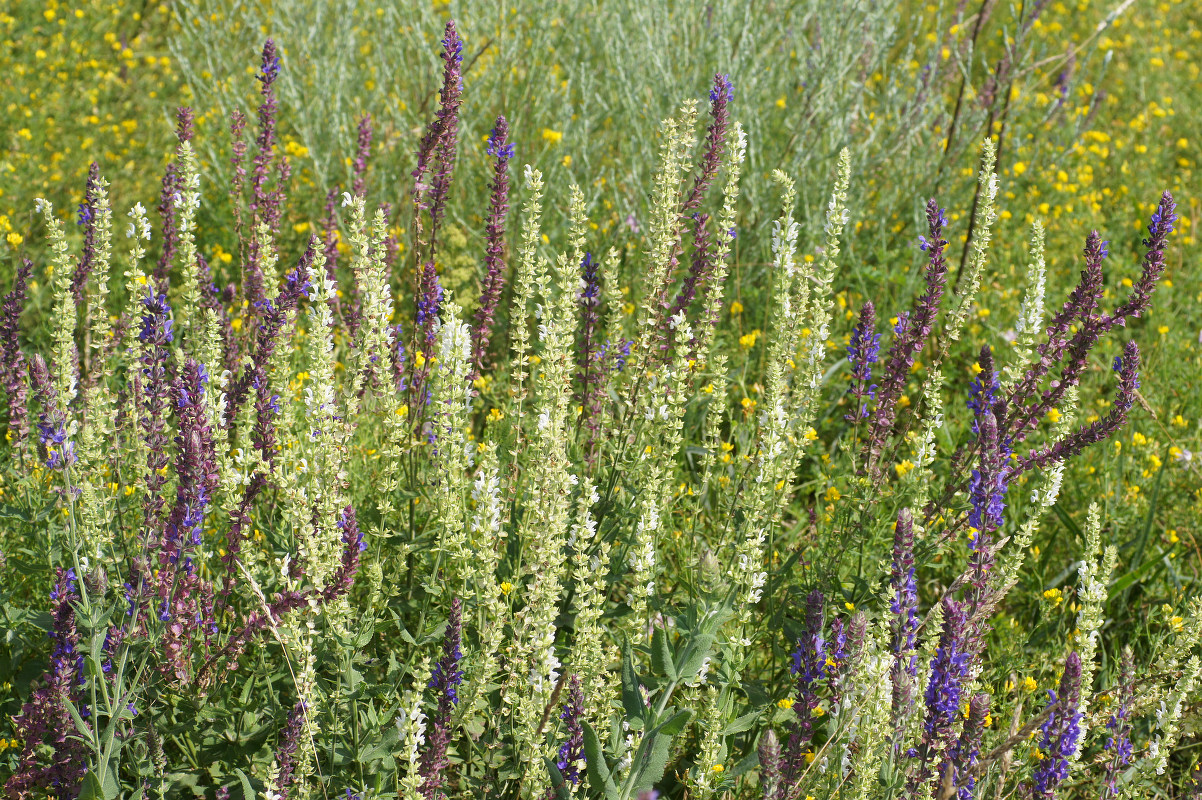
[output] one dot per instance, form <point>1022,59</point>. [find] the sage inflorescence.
<point>316,520</point>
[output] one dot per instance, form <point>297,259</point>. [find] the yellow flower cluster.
<point>81,76</point>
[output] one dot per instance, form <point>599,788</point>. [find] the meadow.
<point>600,399</point>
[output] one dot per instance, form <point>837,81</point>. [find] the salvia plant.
<point>305,526</point>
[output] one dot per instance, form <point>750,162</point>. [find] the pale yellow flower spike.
<point>970,281</point>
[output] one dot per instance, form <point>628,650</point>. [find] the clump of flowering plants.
<point>306,529</point>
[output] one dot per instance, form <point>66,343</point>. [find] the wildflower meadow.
<point>600,399</point>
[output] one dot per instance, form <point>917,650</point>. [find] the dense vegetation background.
<point>1095,110</point>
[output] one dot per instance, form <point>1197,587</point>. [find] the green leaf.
<point>599,776</point>
<point>1067,521</point>
<point>248,791</point>
<point>782,574</point>
<point>14,512</point>
<point>383,749</point>
<point>675,723</point>
<point>364,637</point>
<point>661,654</point>
<point>741,724</point>
<point>632,694</point>
<point>91,788</point>
<point>96,652</point>
<point>651,760</point>
<point>85,731</point>
<point>698,650</point>
<point>94,789</point>
<point>1125,581</point>
<point>247,686</point>
<point>748,763</point>
<point>558,784</point>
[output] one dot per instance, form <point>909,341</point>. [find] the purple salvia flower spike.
<point>439,144</point>
<point>700,269</point>
<point>184,124</point>
<point>286,752</point>
<point>1061,731</point>
<point>45,719</point>
<point>362,153</point>
<point>10,317</point>
<point>571,752</point>
<point>1074,352</point>
<point>1118,747</point>
<point>862,352</point>
<point>494,234</point>
<point>264,203</point>
<point>589,364</point>
<point>87,218</point>
<point>905,622</point>
<point>990,480</point>
<point>444,680</point>
<point>184,598</point>
<point>956,778</point>
<point>1159,228</point>
<point>54,446</point>
<point>196,464</point>
<point>909,338</point>
<point>274,316</point>
<point>156,336</point>
<point>809,667</point>
<point>721,95</point>
<point>429,302</point>
<point>857,639</point>
<point>1127,367</point>
<point>949,671</point>
<point>983,392</point>
<point>13,369</point>
<point>329,232</point>
<point>352,548</point>
<point>450,101</point>
<point>168,193</point>
<point>238,174</point>
<point>1078,309</point>
<point>837,661</point>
